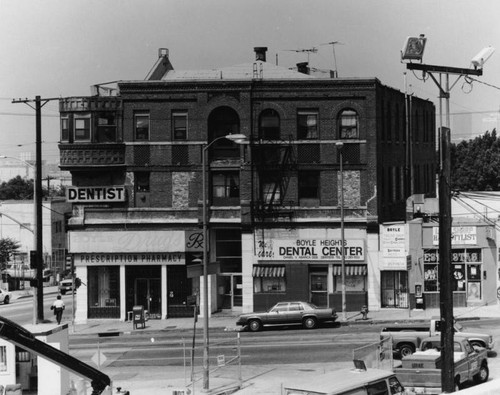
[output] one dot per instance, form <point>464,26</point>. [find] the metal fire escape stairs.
<point>275,162</point>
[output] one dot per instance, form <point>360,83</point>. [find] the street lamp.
<point>238,139</point>
<point>36,232</point>
<point>340,148</point>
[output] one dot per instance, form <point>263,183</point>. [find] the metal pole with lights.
<point>34,230</point>
<point>340,147</point>
<point>414,50</point>
<point>238,139</point>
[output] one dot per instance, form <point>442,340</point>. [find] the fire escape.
<point>274,162</point>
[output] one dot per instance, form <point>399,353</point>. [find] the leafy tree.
<point>16,189</point>
<point>475,164</point>
<point>7,247</point>
<point>19,188</point>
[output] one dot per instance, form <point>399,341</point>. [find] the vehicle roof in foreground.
<point>338,380</point>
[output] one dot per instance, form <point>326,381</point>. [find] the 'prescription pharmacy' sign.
<point>311,250</point>
<point>95,194</point>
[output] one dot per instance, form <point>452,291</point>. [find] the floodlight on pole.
<point>35,226</point>
<point>237,138</point>
<point>413,48</point>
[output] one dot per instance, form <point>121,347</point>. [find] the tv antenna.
<point>333,43</point>
<point>309,51</point>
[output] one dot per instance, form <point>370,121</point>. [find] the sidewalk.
<point>256,379</point>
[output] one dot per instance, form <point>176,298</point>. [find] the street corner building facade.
<point>320,164</point>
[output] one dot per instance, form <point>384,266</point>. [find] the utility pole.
<point>38,226</point>
<point>445,222</point>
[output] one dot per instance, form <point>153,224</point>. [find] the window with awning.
<point>269,279</point>
<point>268,271</point>
<point>350,270</point>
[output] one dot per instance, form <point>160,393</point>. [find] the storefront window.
<point>355,278</point>
<point>466,271</point>
<point>104,292</point>
<point>269,279</point>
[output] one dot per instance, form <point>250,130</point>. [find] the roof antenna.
<point>333,43</point>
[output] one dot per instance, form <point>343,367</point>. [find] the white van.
<point>65,286</point>
<point>348,382</point>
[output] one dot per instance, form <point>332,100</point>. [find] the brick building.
<point>273,203</point>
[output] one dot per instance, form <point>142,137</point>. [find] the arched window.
<point>269,125</point>
<point>221,122</point>
<point>348,124</point>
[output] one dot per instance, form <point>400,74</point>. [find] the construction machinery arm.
<point>23,338</point>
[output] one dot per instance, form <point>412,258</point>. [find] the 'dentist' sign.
<point>311,249</point>
<point>95,194</point>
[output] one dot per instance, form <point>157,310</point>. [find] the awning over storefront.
<point>350,270</point>
<point>268,271</point>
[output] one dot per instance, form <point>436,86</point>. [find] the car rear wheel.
<point>483,374</point>
<point>63,292</point>
<point>6,300</point>
<point>405,350</point>
<point>254,325</point>
<point>310,323</point>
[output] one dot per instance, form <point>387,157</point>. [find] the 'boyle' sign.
<point>95,194</point>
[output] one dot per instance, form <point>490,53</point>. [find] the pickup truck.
<point>421,371</point>
<point>407,338</point>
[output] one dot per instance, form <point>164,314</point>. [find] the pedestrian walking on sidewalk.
<point>58,307</point>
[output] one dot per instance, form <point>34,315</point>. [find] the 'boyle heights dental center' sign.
<point>310,249</point>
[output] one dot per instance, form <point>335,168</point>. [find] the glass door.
<point>318,289</point>
<point>148,294</point>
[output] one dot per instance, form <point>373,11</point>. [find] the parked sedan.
<point>5,296</point>
<point>288,313</point>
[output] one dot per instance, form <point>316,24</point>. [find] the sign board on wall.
<point>393,239</point>
<point>104,259</point>
<point>95,194</point>
<point>459,235</point>
<point>310,250</point>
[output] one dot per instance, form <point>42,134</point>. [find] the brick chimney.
<point>260,53</point>
<point>303,67</point>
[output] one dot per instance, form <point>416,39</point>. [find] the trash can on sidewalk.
<point>139,317</point>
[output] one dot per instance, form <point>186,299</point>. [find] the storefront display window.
<point>355,278</point>
<point>104,292</point>
<point>466,271</point>
<point>269,279</point>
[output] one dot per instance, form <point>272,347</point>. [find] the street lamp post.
<point>35,230</point>
<point>238,139</point>
<point>340,147</point>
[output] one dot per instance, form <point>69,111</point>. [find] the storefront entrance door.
<point>148,294</point>
<point>319,289</point>
<point>230,291</point>
<point>395,289</point>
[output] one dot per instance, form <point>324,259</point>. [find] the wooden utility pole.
<point>445,272</point>
<point>38,226</point>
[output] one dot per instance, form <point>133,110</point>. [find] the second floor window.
<point>269,125</point>
<point>141,124</point>
<point>179,125</point>
<point>225,185</point>
<point>307,125</point>
<point>348,125</point>
<point>308,185</point>
<point>65,129</point>
<point>82,129</point>
<point>142,182</point>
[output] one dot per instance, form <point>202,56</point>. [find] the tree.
<point>17,188</point>
<point>7,247</point>
<point>475,164</point>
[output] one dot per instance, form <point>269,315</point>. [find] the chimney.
<point>260,53</point>
<point>161,67</point>
<point>303,67</point>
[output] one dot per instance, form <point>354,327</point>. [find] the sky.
<point>59,48</point>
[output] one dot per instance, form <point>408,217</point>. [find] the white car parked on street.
<point>5,296</point>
